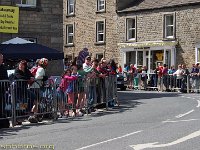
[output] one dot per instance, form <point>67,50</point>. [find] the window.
<point>169,28</point>
<point>198,55</point>
<point>70,34</point>
<point>100,5</point>
<point>99,56</point>
<point>70,7</point>
<point>100,31</point>
<point>130,29</point>
<point>26,3</point>
<point>34,40</point>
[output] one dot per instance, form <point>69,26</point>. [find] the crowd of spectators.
<point>170,77</point>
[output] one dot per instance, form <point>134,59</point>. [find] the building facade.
<point>40,21</point>
<point>91,24</point>
<point>153,33</point>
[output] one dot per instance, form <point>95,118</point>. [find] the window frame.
<point>172,25</point>
<point>127,29</point>
<point>197,54</point>
<point>27,5</point>
<point>67,43</point>
<point>98,6</point>
<point>99,54</point>
<point>98,33</point>
<point>68,8</point>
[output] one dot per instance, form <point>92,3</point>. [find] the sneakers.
<point>33,119</point>
<point>79,114</point>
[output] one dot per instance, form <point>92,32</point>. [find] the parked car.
<point>121,82</point>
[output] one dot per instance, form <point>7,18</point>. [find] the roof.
<point>29,51</point>
<point>138,5</point>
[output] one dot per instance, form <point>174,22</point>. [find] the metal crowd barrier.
<point>87,93</point>
<point>48,100</point>
<point>186,83</point>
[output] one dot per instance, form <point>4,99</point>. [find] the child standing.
<point>65,87</point>
<point>72,89</point>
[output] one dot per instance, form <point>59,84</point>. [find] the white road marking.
<point>120,137</point>
<point>178,141</point>
<point>188,97</point>
<point>198,103</point>
<point>171,121</point>
<point>182,115</point>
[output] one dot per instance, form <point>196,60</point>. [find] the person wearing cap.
<point>87,66</point>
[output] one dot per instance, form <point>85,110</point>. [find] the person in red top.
<point>165,77</point>
<point>160,68</point>
<point>131,72</point>
<point>66,79</point>
<point>119,69</point>
<point>64,85</point>
<point>102,68</point>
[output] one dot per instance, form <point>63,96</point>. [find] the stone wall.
<point>85,32</point>
<point>150,28</point>
<point>45,23</point>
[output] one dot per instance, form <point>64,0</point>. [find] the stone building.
<point>40,21</point>
<point>91,24</point>
<point>166,32</point>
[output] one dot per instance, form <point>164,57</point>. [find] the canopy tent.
<point>29,51</point>
<point>17,40</point>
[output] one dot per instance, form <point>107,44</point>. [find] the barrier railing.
<point>20,100</point>
<point>169,82</point>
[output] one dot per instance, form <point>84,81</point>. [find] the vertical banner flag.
<point>9,19</point>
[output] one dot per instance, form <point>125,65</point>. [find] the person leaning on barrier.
<point>3,76</point>
<point>40,78</point>
<point>22,92</point>
<point>184,80</point>
<point>179,76</point>
<point>22,72</point>
<point>99,77</point>
<point>103,69</point>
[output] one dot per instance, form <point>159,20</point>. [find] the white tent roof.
<point>17,40</point>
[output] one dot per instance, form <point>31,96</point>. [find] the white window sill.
<point>101,11</point>
<point>131,40</point>
<point>24,5</point>
<point>100,43</point>
<point>69,45</point>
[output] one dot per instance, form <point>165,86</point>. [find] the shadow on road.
<point>127,100</point>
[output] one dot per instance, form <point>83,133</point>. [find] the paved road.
<point>144,120</point>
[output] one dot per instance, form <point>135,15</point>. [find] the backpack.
<point>34,70</point>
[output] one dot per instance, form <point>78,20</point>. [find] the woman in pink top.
<point>63,89</point>
<point>66,79</point>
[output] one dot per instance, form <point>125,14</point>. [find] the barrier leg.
<point>13,104</point>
